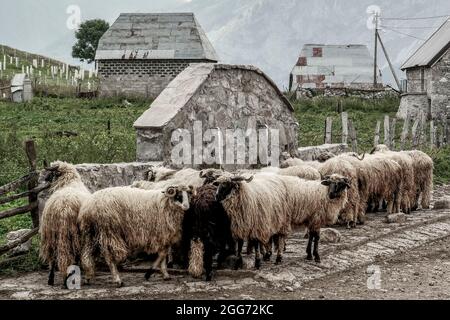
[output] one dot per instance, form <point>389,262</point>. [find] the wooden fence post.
<point>432,134</point>
<point>405,131</point>
<point>353,138</point>
<point>376,140</point>
<point>423,127</point>
<point>392,132</point>
<point>30,150</point>
<point>387,137</point>
<point>447,127</point>
<point>415,133</point>
<point>344,117</point>
<point>328,129</point>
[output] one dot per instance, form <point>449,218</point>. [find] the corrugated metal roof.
<point>321,64</point>
<point>155,36</point>
<point>432,49</point>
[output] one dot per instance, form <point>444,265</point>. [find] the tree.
<point>88,36</point>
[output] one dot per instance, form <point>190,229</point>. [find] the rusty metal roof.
<point>155,36</point>
<point>432,49</point>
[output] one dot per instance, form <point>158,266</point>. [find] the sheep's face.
<point>226,186</point>
<point>336,185</point>
<point>180,195</point>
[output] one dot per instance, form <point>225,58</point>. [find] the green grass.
<point>43,118</point>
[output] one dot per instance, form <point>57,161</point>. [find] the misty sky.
<point>266,33</point>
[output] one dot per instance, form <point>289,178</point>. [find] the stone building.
<point>428,77</point>
<point>220,96</point>
<point>322,66</point>
<point>142,52</point>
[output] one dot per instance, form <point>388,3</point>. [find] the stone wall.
<point>413,103</point>
<point>138,78</point>
<point>228,99</point>
<point>440,91</point>
<point>346,92</point>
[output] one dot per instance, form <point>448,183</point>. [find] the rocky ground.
<point>408,260</point>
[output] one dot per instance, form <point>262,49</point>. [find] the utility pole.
<point>375,71</point>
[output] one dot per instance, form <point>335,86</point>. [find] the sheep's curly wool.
<point>196,258</point>
<point>423,177</point>
<point>60,239</point>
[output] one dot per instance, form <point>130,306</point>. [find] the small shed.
<point>142,52</point>
<point>226,97</point>
<point>21,90</point>
<point>428,77</point>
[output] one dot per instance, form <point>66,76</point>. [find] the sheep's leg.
<point>268,248</point>
<point>257,254</point>
<point>316,246</point>
<point>279,244</point>
<point>309,246</point>
<point>51,275</point>
<point>208,260</point>
<point>114,272</point>
<point>249,248</point>
<point>239,262</point>
<point>87,260</point>
<point>163,267</point>
<point>152,269</point>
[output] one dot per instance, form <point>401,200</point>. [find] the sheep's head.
<point>150,175</point>
<point>180,195</point>
<point>323,157</point>
<point>59,169</point>
<point>210,175</point>
<point>336,184</point>
<point>380,148</point>
<point>226,186</point>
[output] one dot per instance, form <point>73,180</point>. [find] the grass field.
<point>44,119</point>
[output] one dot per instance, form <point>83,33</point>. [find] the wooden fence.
<point>415,132</point>
<point>10,192</point>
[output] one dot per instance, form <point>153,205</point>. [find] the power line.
<point>396,27</point>
<point>417,18</point>
<point>405,34</point>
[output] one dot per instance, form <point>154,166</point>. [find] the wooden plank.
<point>27,236</point>
<point>17,183</point>
<point>376,140</point>
<point>16,211</point>
<point>24,194</point>
<point>392,132</point>
<point>440,143</point>
<point>328,128</point>
<point>30,149</point>
<point>344,117</point>
<point>447,128</point>
<point>405,132</point>
<point>423,127</point>
<point>387,136</point>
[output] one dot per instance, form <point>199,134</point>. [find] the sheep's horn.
<point>241,178</point>
<point>171,191</point>
<point>362,157</point>
<point>52,168</point>
<point>202,174</point>
<point>373,150</point>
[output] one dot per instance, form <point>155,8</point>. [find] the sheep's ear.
<point>326,182</point>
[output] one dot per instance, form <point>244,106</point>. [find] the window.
<point>317,52</point>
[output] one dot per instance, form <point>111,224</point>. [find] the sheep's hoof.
<point>166,278</point>
<point>267,256</point>
<point>238,264</point>
<point>148,274</point>
<point>257,264</point>
<point>170,264</point>
<point>208,278</point>
<point>278,260</point>
<point>308,257</point>
<point>119,284</point>
<point>317,259</point>
<point>51,282</point>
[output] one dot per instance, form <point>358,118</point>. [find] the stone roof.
<point>179,92</point>
<point>155,36</point>
<point>432,49</point>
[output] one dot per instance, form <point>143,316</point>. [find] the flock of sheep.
<point>188,216</point>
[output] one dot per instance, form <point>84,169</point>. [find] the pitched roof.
<point>155,36</point>
<point>432,49</point>
<point>180,91</point>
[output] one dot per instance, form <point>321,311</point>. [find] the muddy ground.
<point>409,260</point>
